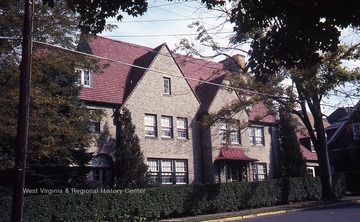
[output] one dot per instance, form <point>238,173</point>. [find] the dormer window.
<point>84,77</point>
<point>167,86</point>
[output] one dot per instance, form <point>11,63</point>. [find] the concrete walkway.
<point>259,212</point>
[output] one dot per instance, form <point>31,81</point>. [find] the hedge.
<point>164,201</point>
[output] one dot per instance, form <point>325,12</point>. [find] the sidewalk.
<point>252,213</point>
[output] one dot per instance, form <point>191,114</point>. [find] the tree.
<point>93,14</point>
<point>286,43</point>
<point>292,162</point>
<point>59,123</point>
<point>130,169</point>
<point>289,33</point>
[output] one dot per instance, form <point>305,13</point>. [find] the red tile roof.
<point>111,85</point>
<point>119,79</point>
<point>308,155</point>
<point>233,154</point>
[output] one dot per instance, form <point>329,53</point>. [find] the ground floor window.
<point>168,171</point>
<point>260,171</point>
<point>311,171</point>
<point>102,171</point>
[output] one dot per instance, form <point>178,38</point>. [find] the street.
<point>341,213</point>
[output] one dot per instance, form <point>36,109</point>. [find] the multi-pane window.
<point>167,171</point>
<point>229,133</point>
<point>166,127</point>
<point>150,125</point>
<point>232,173</point>
<point>84,77</point>
<point>94,124</point>
<point>259,171</point>
<point>153,169</point>
<point>256,135</point>
<point>311,171</point>
<point>167,86</point>
<point>182,128</point>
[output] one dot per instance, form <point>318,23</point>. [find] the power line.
<point>166,20</point>
<point>161,35</point>
<point>162,72</point>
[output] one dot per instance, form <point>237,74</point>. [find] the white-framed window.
<point>150,125</point>
<point>229,132</point>
<point>168,171</point>
<point>256,135</point>
<point>84,77</point>
<point>167,86</point>
<point>260,171</point>
<point>166,127</point>
<point>153,169</point>
<point>182,128</point>
<point>232,173</point>
<point>311,171</point>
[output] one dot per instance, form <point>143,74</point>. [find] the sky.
<point>168,22</point>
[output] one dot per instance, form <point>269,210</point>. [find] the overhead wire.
<point>163,72</point>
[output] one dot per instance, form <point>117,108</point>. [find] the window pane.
<point>150,125</point>
<point>87,77</point>
<point>180,166</point>
<point>181,178</point>
<point>153,165</point>
<point>166,126</point>
<point>167,86</point>
<point>166,166</point>
<point>166,178</point>
<point>181,124</point>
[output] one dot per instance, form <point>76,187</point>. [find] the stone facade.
<point>166,104</point>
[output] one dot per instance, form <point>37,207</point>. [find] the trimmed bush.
<point>165,201</point>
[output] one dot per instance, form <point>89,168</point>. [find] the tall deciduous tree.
<point>130,169</point>
<point>298,41</point>
<point>59,124</point>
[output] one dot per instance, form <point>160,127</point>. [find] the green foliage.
<point>292,162</point>
<point>283,35</point>
<point>130,169</point>
<point>93,14</point>
<point>166,201</point>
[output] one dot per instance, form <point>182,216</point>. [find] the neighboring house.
<point>344,139</point>
<point>309,153</point>
<point>166,99</point>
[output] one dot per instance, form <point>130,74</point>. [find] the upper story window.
<point>84,77</point>
<point>166,126</point>
<point>229,132</point>
<point>182,128</point>
<point>167,86</point>
<point>150,125</point>
<point>94,123</point>
<point>256,135</point>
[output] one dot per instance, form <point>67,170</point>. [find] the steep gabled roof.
<point>111,86</point>
<point>339,119</point>
<point>128,63</point>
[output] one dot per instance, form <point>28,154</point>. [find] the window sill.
<point>167,138</point>
<point>151,137</point>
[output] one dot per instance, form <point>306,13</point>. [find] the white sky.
<point>167,22</point>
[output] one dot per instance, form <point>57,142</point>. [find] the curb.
<point>248,216</point>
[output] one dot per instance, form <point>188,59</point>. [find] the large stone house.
<point>168,95</point>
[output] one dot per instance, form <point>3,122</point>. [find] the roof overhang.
<point>234,154</point>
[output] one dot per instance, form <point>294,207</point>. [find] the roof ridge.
<point>128,43</point>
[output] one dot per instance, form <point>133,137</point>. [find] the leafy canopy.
<point>93,14</point>
<point>290,33</point>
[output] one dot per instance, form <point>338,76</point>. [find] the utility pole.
<point>23,114</point>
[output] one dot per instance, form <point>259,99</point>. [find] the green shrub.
<point>165,201</point>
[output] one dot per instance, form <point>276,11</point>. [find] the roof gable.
<point>110,86</point>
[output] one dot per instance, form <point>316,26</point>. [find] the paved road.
<point>341,213</point>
